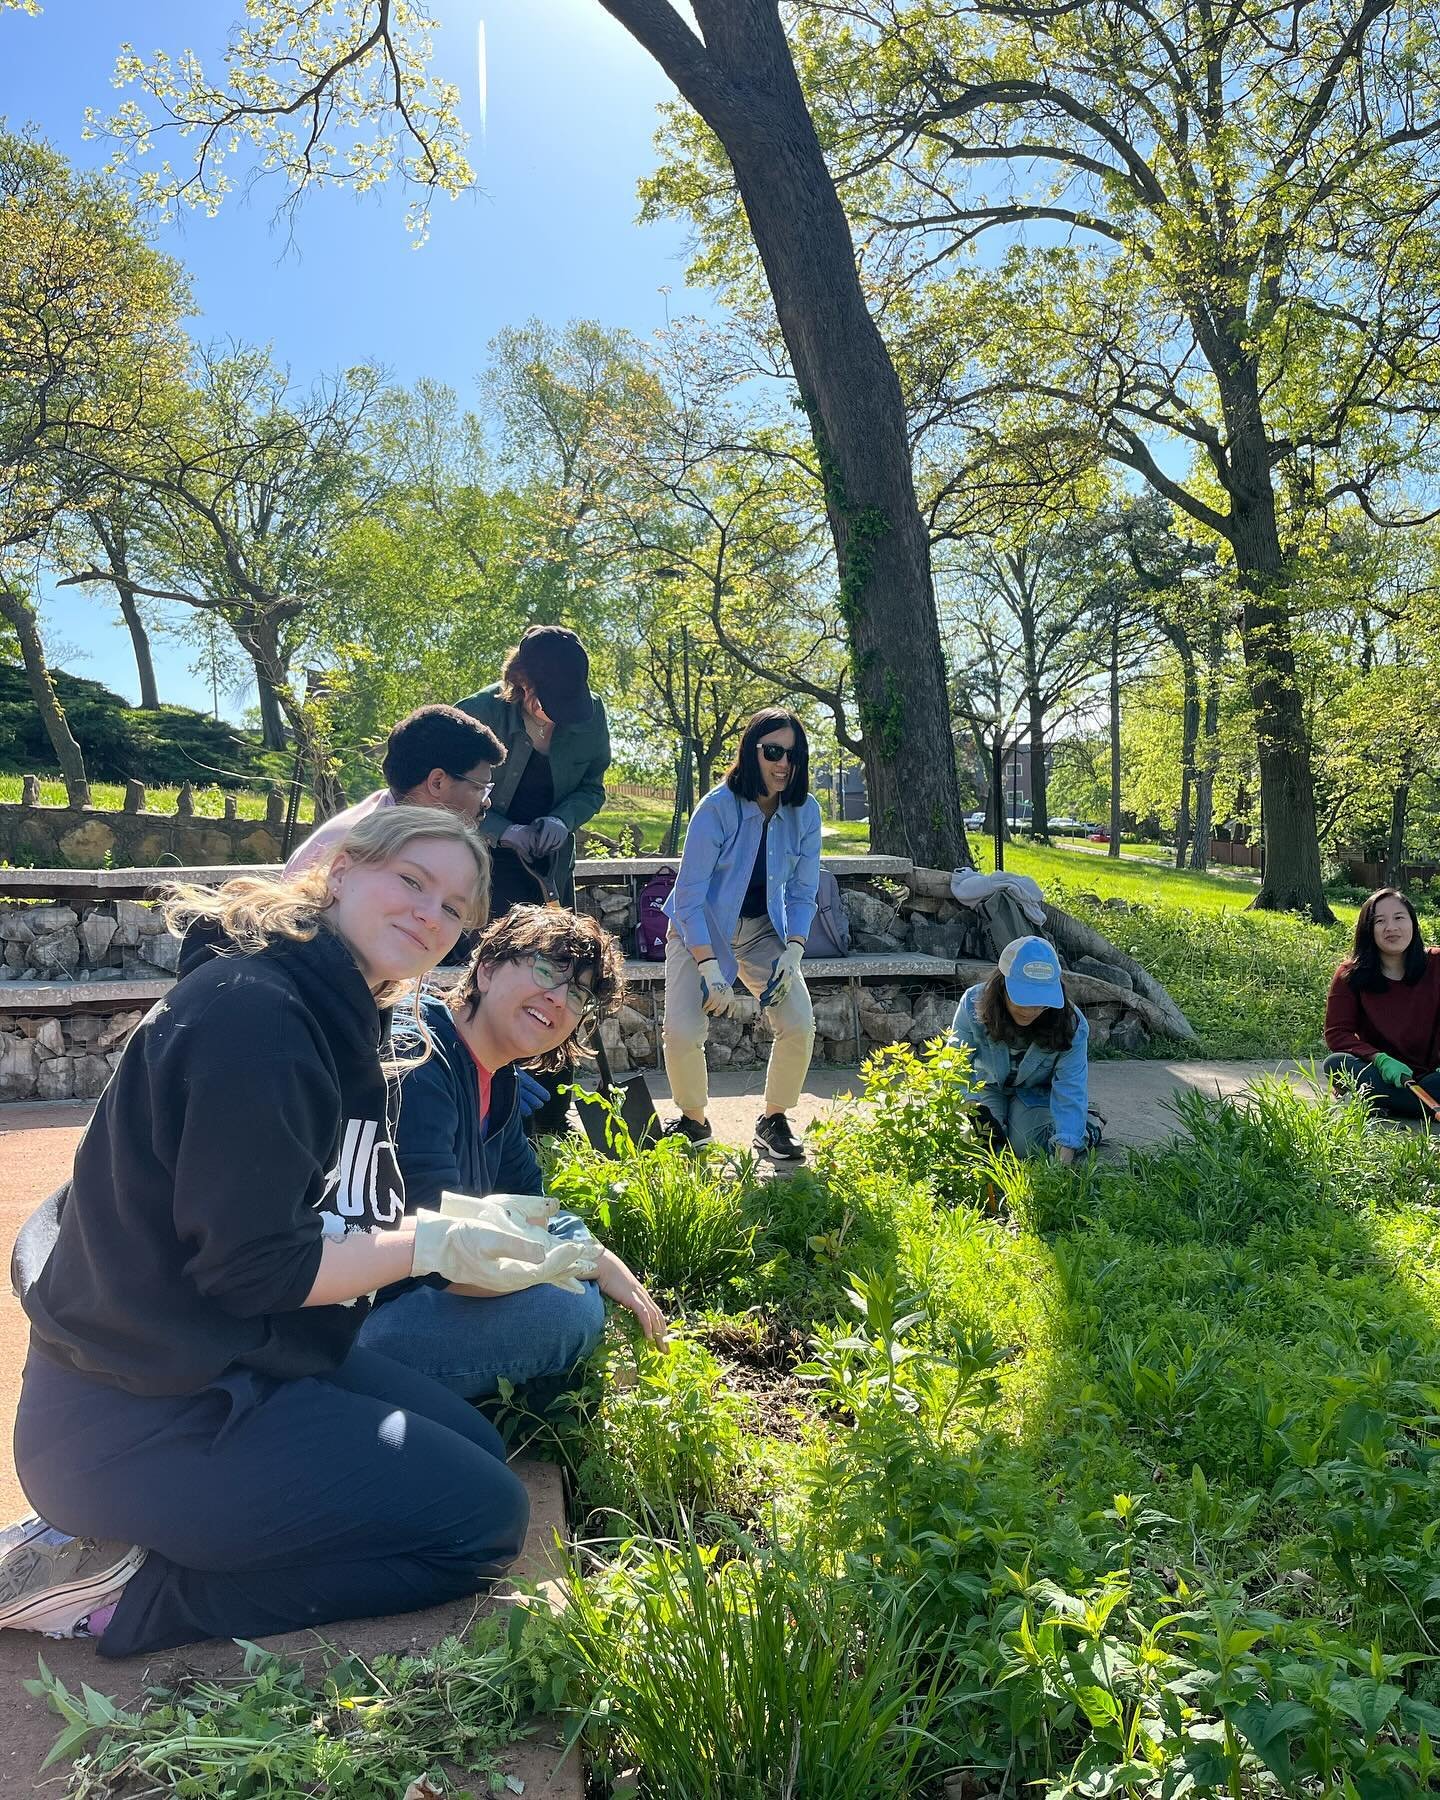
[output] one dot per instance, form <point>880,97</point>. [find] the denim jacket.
<point>1065,1073</point>
<point>704,905</point>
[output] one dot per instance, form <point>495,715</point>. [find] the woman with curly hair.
<point>537,985</point>
<point>212,1452</point>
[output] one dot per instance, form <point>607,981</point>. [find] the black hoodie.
<point>249,1120</point>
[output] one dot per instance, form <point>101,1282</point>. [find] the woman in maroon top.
<point>1382,1018</point>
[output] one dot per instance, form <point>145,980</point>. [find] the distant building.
<point>1014,780</point>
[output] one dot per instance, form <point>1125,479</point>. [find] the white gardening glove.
<point>547,835</point>
<point>523,1211</point>
<point>473,1251</point>
<point>717,996</point>
<point>783,971</point>
<point>518,1209</point>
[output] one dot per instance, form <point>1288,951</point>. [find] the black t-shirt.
<point>534,792</point>
<point>753,905</point>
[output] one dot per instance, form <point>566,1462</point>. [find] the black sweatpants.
<point>269,1505</point>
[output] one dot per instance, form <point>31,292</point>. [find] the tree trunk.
<point>68,754</point>
<point>272,713</point>
<point>1395,849</point>
<point>742,82</point>
<point>995,806</point>
<point>1292,879</point>
<point>1208,754</point>
<point>1039,790</point>
<point>1113,847</point>
<point>1189,732</point>
<point>140,644</point>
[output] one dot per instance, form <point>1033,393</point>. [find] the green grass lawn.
<point>109,796</point>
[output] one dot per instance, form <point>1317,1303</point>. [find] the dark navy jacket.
<point>440,1142</point>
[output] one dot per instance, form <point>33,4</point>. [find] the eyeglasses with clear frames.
<point>483,788</point>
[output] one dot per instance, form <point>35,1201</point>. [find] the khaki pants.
<point>687,1027</point>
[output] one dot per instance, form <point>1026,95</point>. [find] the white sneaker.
<point>52,1583</point>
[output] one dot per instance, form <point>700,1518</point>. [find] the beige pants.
<point>687,1026</point>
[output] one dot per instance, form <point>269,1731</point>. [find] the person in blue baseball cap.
<point>1029,1062</point>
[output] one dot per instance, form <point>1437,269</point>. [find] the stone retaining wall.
<point>59,1055</point>
<point>65,837</point>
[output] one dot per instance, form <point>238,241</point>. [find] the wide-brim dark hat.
<point>554,662</point>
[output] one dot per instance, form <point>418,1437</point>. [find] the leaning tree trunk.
<point>21,616</point>
<point>741,80</point>
<point>272,711</point>
<point>140,644</point>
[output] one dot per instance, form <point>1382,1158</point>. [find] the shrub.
<point>678,1219</point>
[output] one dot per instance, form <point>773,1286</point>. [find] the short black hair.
<point>436,737</point>
<point>743,776</point>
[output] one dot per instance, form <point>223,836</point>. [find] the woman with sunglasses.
<point>741,908</point>
<point>536,987</point>
<point>214,1453</point>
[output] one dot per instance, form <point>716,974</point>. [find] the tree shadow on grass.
<point>1259,1302</point>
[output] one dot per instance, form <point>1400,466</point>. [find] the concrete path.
<point>1133,1095</point>
<point>37,1145</point>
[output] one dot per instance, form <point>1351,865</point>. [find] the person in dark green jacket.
<point>557,749</point>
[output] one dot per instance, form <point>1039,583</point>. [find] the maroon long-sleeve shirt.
<point>1400,1019</point>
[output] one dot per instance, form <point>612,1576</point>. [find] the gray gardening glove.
<point>520,839</point>
<point>717,996</point>
<point>547,835</point>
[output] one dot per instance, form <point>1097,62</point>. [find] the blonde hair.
<point>253,909</point>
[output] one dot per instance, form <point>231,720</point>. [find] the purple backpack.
<point>651,923</point>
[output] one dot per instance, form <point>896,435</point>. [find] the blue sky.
<point>550,232</point>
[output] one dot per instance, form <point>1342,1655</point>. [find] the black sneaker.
<point>774,1138</point>
<point>686,1128</point>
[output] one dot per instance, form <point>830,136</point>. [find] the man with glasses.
<point>437,756</point>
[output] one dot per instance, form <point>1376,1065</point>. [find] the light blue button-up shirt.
<point>1063,1075</point>
<point>704,904</point>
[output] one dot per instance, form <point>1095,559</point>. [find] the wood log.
<point>1075,938</point>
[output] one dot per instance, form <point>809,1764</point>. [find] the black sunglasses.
<point>777,753</point>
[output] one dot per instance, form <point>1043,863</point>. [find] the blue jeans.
<point>470,1345</point>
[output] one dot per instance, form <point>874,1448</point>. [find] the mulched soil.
<point>760,1368</point>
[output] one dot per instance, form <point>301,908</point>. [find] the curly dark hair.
<point>1362,968</point>
<point>1053,1030</point>
<point>565,936</point>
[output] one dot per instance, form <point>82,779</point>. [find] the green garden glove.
<point>1394,1071</point>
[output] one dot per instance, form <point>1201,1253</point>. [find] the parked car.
<point>1098,836</point>
<point>1065,823</point>
<point>975,821</point>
